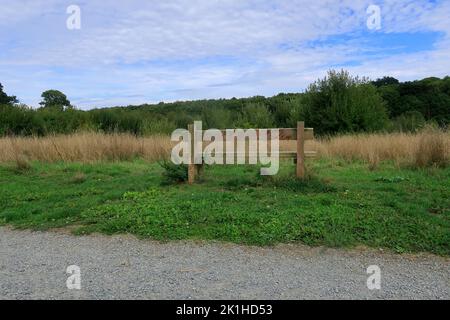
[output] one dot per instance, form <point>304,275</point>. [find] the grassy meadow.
<point>377,190</point>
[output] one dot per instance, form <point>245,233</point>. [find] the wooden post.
<point>300,149</point>
<point>191,169</point>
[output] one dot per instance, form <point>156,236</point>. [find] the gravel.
<point>33,266</point>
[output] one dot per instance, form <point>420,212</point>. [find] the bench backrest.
<point>300,134</point>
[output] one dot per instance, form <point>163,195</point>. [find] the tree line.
<point>338,103</point>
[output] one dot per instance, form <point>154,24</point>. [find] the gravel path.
<point>33,266</point>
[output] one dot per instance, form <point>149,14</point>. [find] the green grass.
<point>341,205</point>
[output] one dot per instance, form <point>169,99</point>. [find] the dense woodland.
<point>339,103</point>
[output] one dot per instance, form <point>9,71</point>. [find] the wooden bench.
<point>300,134</point>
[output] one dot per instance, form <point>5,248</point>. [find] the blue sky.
<point>139,51</point>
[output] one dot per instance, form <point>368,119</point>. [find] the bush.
<point>173,173</point>
<point>20,120</point>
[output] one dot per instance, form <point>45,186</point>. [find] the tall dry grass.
<point>427,148</point>
<point>84,147</point>
<point>430,147</point>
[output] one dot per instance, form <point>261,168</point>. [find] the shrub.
<point>173,173</point>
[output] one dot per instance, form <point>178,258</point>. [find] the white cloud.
<point>146,51</point>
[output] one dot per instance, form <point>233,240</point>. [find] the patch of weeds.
<point>391,180</point>
<point>21,165</point>
<point>173,173</point>
<point>438,210</point>
<point>310,184</point>
<point>135,196</point>
<point>242,182</point>
<point>79,178</point>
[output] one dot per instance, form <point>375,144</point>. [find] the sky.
<point>147,51</point>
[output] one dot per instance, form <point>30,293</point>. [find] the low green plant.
<point>310,184</point>
<point>173,173</point>
<point>79,177</point>
<point>22,164</point>
<point>390,180</point>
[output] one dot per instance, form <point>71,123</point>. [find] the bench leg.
<point>191,173</point>
<point>192,168</point>
<point>300,149</point>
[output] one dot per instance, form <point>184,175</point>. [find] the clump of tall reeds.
<point>85,147</point>
<point>429,147</point>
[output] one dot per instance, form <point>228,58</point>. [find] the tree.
<point>391,95</point>
<point>5,99</point>
<point>385,81</point>
<point>410,121</point>
<point>342,103</point>
<point>256,115</point>
<point>19,120</point>
<point>56,100</point>
<point>216,118</point>
<point>297,113</point>
<point>427,96</point>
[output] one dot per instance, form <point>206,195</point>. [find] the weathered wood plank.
<point>284,133</point>
<point>281,154</point>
